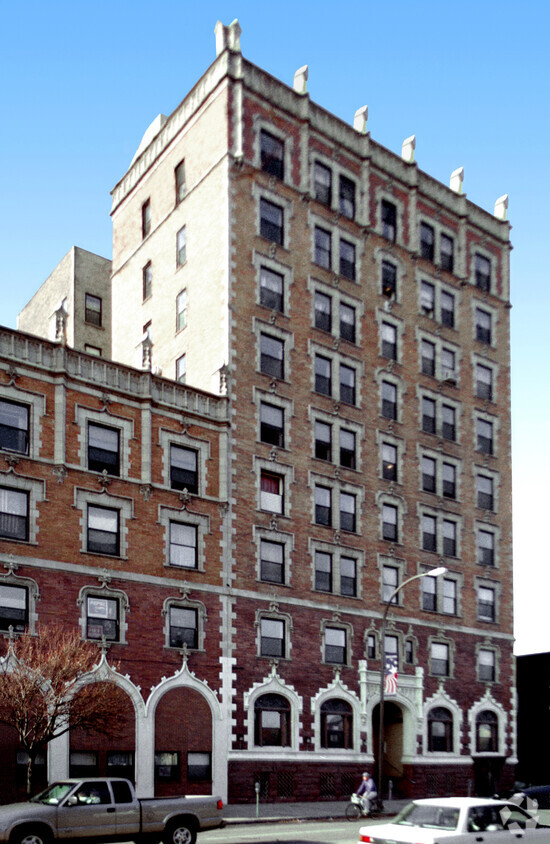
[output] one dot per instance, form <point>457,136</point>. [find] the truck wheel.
<point>31,835</point>
<point>179,832</point>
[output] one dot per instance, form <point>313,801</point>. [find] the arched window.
<point>487,732</point>
<point>336,724</point>
<point>272,721</point>
<point>440,730</point>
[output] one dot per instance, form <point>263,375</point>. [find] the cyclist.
<point>367,791</point>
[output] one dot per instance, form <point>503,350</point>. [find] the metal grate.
<point>431,785</point>
<point>285,786</point>
<point>349,784</point>
<point>263,778</point>
<point>327,787</point>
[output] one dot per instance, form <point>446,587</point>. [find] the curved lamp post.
<point>432,573</point>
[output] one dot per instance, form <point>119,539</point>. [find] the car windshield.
<point>419,814</point>
<point>54,794</point>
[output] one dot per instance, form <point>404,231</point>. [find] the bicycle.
<point>355,808</point>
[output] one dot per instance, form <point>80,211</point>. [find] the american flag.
<point>390,685</point>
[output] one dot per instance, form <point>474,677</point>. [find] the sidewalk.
<point>237,813</point>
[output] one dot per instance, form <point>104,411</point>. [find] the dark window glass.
<point>272,637</point>
<point>272,356</point>
<point>335,645</point>
<point>323,375</point>
<point>323,571</point>
<point>347,197</point>
<point>440,730</point>
<point>347,384</point>
<point>428,415</point>
<point>389,220</point>
<point>389,400</point>
<point>14,427</point>
<point>389,340</point>
<point>103,449</point>
<point>449,538</point>
<point>427,241</point>
<point>272,289</point>
<point>446,249</point>
<point>389,279</point>
<point>199,766</point>
<point>485,495</point>
<point>146,218</point>
<point>429,594</point>
<point>183,545</point>
<point>184,469</point>
<point>447,309</point>
<point>486,665</point>
<point>323,248</point>
<point>336,724</point>
<point>272,151</point>
<point>323,184</point>
<point>390,580</point>
<point>272,561</point>
<point>167,766</point>
<point>102,618</point>
<point>347,512</point>
<point>428,357</point>
<point>181,247</point>
<point>13,606</point>
<point>486,603</point>
<point>92,310</point>
<point>389,522</point>
<point>14,514</point>
<point>428,474</point>
<point>147,279</point>
<point>448,472</point>
<point>484,382</point>
<point>487,732</point>
<point>272,421</point>
<point>323,311</point>
<point>272,721</point>
<point>323,441</point>
<point>427,298</point>
<point>183,627</point>
<point>485,548</point>
<point>103,531</point>
<point>323,506</point>
<point>348,576</point>
<point>271,221</point>
<point>347,322</point>
<point>347,449</point>
<point>179,179</point>
<point>483,273</point>
<point>347,259</point>
<point>448,422</point>
<point>409,652</point>
<point>448,365</point>
<point>440,659</point>
<point>483,326</point>
<point>449,596</point>
<point>389,462</point>
<point>371,646</point>
<point>429,540</point>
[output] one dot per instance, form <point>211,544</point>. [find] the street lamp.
<point>431,573</point>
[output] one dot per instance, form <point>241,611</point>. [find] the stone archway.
<point>183,743</point>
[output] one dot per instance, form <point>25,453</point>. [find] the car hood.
<point>401,834</point>
<point>25,810</point>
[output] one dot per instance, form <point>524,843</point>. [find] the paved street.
<point>291,832</point>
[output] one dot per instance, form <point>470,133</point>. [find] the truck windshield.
<point>54,794</point>
<point>438,817</point>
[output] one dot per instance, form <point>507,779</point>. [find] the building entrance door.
<point>392,767</point>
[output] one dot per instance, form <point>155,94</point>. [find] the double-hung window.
<point>93,310</point>
<point>14,427</point>
<point>390,582</point>
<point>347,197</point>
<point>323,571</point>
<point>271,221</point>
<point>102,618</point>
<point>147,280</point>
<point>348,517</point>
<point>429,594</point>
<point>347,259</point>
<point>484,436</point>
<point>14,610</point>
<point>323,440</point>
<point>486,610</point>
<point>272,424</point>
<point>429,534</point>
<point>484,382</point>
<point>103,449</point>
<point>181,369</point>
<point>335,645</point>
<point>272,561</point>
<point>483,273</point>
<point>483,326</point>
<point>486,665</point>
<point>389,400</point>
<point>323,311</point>
<point>449,597</point>
<point>446,252</point>
<point>183,623</point>
<point>485,493</point>
<point>271,289</point>
<point>389,340</point>
<point>440,659</point>
<point>322,178</point>
<point>389,522</point>
<point>146,218</point>
<point>447,308</point>
<point>272,351</point>
<point>347,449</point>
<point>428,474</point>
<point>428,357</point>
<point>428,415</point>
<point>184,473</point>
<point>427,298</point>
<point>323,505</point>
<point>103,531</point>
<point>272,151</point>
<point>448,480</point>
<point>14,514</point>
<point>181,247</point>
<point>427,241</point>
<point>449,538</point>
<point>323,375</point>
<point>323,248</point>
<point>272,637</point>
<point>181,310</point>
<point>183,545</point>
<point>448,422</point>
<point>348,576</point>
<point>389,279</point>
<point>388,212</point>
<point>485,547</point>
<point>271,492</point>
<point>347,322</point>
<point>179,181</point>
<point>389,462</point>
<point>347,384</point>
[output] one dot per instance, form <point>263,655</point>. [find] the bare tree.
<point>45,690</point>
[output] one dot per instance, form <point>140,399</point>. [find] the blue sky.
<point>82,81</point>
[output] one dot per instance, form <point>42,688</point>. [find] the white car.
<point>458,820</point>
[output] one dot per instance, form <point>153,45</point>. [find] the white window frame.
<point>168,438</point>
<point>102,418</point>
<point>33,596</point>
<point>273,614</point>
<point>280,538</point>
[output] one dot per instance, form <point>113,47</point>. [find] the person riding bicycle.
<point>367,791</point>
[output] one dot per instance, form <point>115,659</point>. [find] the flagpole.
<point>431,573</point>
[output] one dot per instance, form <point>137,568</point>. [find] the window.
<point>347,449</point>
<point>336,724</point>
<point>181,310</point>
<point>427,241</point>
<point>447,305</point>
<point>146,218</point>
<point>390,581</point>
<point>449,480</point>
<point>102,618</point>
<point>322,177</point>
<point>448,422</point>
<point>389,400</point>
<point>449,602</point>
<point>485,547</point>
<point>389,340</point>
<point>271,289</point>
<point>271,492</point>
<point>323,248</point>
<point>487,732</point>
<point>271,221</point>
<point>181,369</point>
<point>483,273</point>
<point>272,424</point>
<point>389,522</point>
<point>347,259</point>
<point>103,531</point>
<point>483,326</point>
<point>429,536</point>
<point>486,609</point>
<point>389,220</point>
<point>448,365</point>
<point>484,382</point>
<point>147,279</point>
<point>347,197</point>
<point>92,350</point>
<point>14,611</point>
<point>335,645</point>
<point>347,322</point>
<point>272,151</point>
<point>428,415</point>
<point>347,511</point>
<point>449,538</point>
<point>272,352</point>
<point>14,514</point>
<point>272,637</point>
<point>167,766</point>
<point>429,594</point>
<point>371,646</point>
<point>271,721</point>
<point>446,252</point>
<point>323,505</point>
<point>389,462</point>
<point>428,474</point>
<point>272,561</point>
<point>347,384</point>
<point>103,449</point>
<point>428,357</point>
<point>486,665</point>
<point>179,181</point>
<point>183,545</point>
<point>484,436</point>
<point>92,309</point>
<point>440,659</point>
<point>183,627</point>
<point>348,576</point>
<point>389,279</point>
<point>199,766</point>
<point>14,427</point>
<point>323,375</point>
<point>323,441</point>
<point>323,571</point>
<point>440,730</point>
<point>409,652</point>
<point>184,469</point>
<point>181,247</point>
<point>485,495</point>
<point>427,297</point>
<point>323,311</point>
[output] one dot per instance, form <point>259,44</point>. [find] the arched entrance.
<point>183,743</point>
<point>392,767</point>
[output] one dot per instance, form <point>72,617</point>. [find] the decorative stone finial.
<point>457,177</point>
<point>300,80</point>
<point>501,207</point>
<point>360,120</point>
<point>228,37</point>
<point>407,149</point>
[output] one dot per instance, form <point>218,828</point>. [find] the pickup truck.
<point>98,809</point>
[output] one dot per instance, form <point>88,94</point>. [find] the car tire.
<point>180,832</point>
<point>31,835</point>
<point>353,812</point>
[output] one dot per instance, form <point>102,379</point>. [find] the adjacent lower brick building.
<point>339,322</point>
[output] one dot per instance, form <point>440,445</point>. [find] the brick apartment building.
<point>312,384</point>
